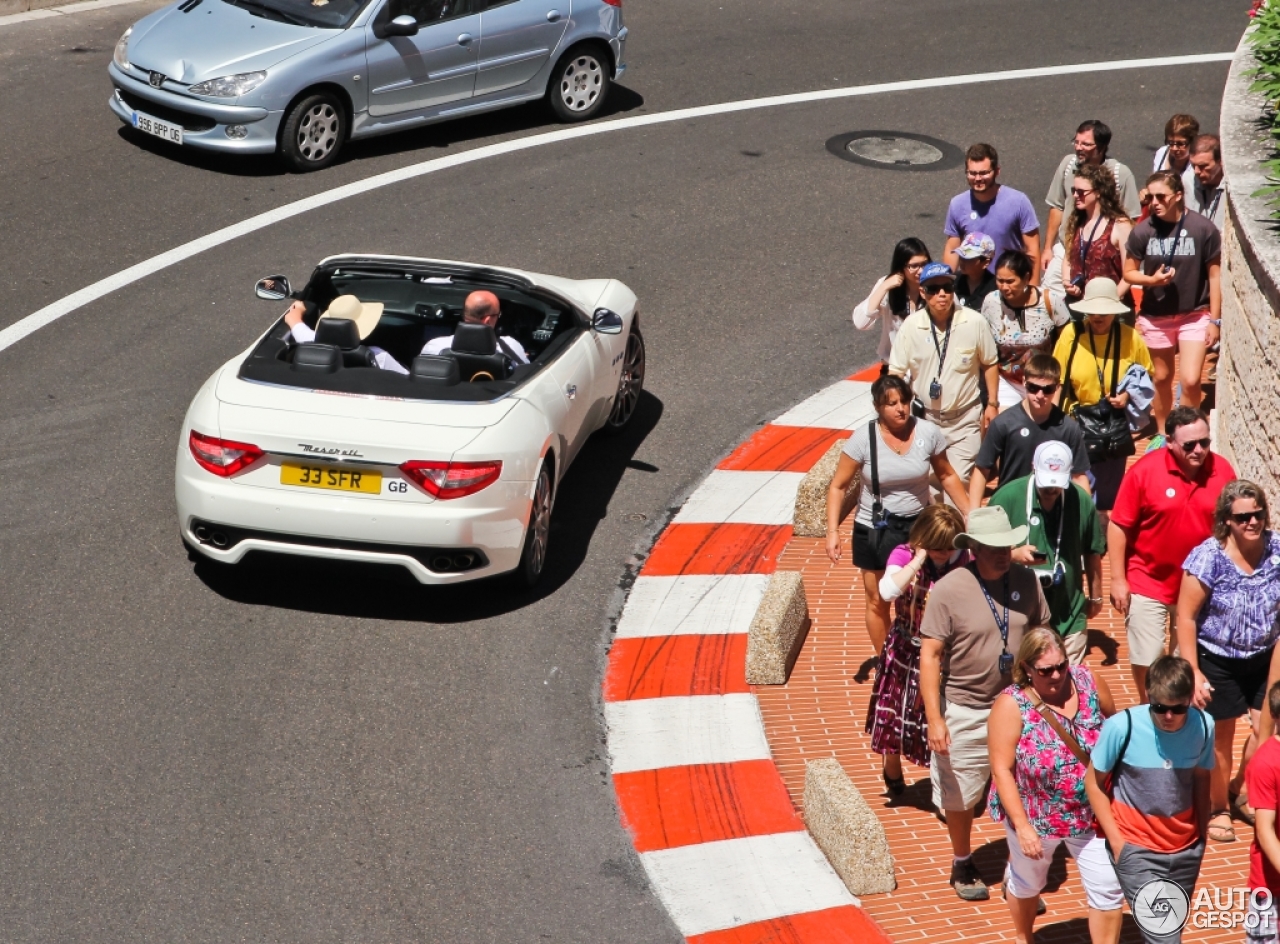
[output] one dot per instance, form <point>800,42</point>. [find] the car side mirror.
<point>273,288</point>
<point>403,25</point>
<point>605,321</point>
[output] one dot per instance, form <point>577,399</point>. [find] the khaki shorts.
<point>1075,646</point>
<point>960,778</point>
<point>1146,625</point>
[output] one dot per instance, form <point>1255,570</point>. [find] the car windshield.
<point>321,14</point>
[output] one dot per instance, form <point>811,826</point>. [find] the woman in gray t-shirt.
<point>907,451</point>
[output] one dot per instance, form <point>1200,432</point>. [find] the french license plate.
<point>336,478</point>
<point>156,127</point>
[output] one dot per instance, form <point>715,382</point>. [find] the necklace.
<point>902,445</point>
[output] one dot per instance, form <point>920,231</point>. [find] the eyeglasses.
<point>1080,193</point>
<point>1158,709</point>
<point>1044,671</point>
<point>916,266</point>
<point>979,174</point>
<point>1245,517</point>
<point>1177,144</point>
<point>932,290</point>
<point>1190,444</point>
<point>1040,388</point>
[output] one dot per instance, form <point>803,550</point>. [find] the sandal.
<point>1219,833</point>
<point>895,785</point>
<point>1240,807</point>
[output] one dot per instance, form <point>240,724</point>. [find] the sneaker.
<point>967,881</point>
<point>1156,442</point>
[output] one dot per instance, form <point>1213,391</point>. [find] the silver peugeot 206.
<point>300,77</point>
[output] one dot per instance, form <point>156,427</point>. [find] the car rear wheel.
<point>313,132</point>
<point>579,84</point>
<point>630,384</point>
<point>536,535</point>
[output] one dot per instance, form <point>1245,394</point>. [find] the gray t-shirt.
<point>1198,244</point>
<point>904,480</point>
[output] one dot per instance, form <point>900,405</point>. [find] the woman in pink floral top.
<point>1037,781</point>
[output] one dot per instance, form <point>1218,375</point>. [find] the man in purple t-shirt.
<point>1004,214</point>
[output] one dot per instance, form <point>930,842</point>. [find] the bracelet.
<point>1094,599</point>
<point>1216,321</point>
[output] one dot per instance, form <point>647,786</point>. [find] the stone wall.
<point>1248,420</point>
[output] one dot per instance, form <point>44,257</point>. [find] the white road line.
<point>650,733</point>
<point>692,605</point>
<point>52,312</point>
<point>713,885</point>
<point>734,497</point>
<point>46,12</point>
<point>845,404</point>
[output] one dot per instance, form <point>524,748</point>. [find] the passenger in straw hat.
<point>366,316</point>
<point>972,627</point>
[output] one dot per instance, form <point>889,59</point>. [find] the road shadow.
<point>390,593</point>
<point>531,116</point>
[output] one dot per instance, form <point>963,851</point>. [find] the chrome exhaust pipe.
<point>219,539</point>
<point>442,564</point>
<point>463,561</point>
<point>201,533</point>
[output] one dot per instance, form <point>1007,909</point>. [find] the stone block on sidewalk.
<point>846,829</point>
<point>778,630</point>
<point>811,497</point>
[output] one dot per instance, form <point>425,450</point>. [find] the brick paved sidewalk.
<point>821,712</point>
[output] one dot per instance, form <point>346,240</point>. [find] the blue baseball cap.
<point>936,270</point>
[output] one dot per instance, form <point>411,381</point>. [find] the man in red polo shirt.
<point>1164,509</point>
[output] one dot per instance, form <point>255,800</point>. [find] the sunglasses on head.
<point>932,290</point>
<point>1159,709</point>
<point>1245,517</point>
<point>1040,388</point>
<point>1190,444</point>
<point>1044,671</point>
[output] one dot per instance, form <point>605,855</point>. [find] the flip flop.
<point>1240,807</point>
<point>1221,833</point>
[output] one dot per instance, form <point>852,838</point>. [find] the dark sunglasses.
<point>1044,671</point>
<point>1190,444</point>
<point>1040,388</point>
<point>1160,197</point>
<point>1159,709</point>
<point>932,290</point>
<point>1245,517</point>
<point>1080,193</point>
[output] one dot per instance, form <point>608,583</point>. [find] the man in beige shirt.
<point>949,354</point>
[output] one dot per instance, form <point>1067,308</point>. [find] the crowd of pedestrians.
<point>997,483</point>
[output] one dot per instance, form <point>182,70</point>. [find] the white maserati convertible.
<point>313,443</point>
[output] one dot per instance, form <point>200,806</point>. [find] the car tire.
<point>533,560</point>
<point>579,84</point>
<point>313,132</point>
<point>630,384</point>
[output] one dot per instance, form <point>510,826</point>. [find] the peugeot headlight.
<point>229,86</point>
<point>121,55</point>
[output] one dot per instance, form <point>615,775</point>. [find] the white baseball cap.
<point>1052,464</point>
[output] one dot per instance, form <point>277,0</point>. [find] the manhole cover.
<point>895,150</point>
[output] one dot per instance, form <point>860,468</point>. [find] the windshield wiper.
<point>261,9</point>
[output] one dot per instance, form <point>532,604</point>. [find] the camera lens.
<point>1046,580</point>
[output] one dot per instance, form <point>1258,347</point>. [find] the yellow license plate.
<point>337,478</point>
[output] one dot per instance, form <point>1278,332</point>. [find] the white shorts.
<point>1146,625</point>
<point>1025,878</point>
<point>960,777</point>
<point>1076,646</point>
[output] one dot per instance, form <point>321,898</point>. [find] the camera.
<point>1050,578</point>
<point>1079,281</point>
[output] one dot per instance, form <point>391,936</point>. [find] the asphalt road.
<point>299,752</point>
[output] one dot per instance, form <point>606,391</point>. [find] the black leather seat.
<point>435,369</point>
<point>343,334</point>
<point>316,358</point>
<point>475,348</point>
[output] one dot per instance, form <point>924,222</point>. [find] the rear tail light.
<point>614,3</point>
<point>222,456</point>
<point>452,479</point>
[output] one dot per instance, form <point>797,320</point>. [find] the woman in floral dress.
<point>1040,733</point>
<point>1022,321</point>
<point>896,720</point>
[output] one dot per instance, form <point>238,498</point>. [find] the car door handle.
<point>553,15</point>
<point>464,39</point>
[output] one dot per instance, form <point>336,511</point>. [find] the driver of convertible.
<point>365,315</point>
<point>481,307</point>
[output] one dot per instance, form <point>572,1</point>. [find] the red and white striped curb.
<point>697,787</point>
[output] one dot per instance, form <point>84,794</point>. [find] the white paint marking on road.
<point>651,733</point>
<point>710,886</point>
<point>733,497</point>
<point>52,312</point>
<point>68,8</point>
<point>692,605</point>
<point>843,405</point>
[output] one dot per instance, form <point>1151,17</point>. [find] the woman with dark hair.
<point>895,296</point>
<point>896,721</point>
<point>1018,313</point>
<point>894,455</point>
<point>1096,233</point>
<point>1227,625</point>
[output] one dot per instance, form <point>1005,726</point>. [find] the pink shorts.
<point>1165,331</point>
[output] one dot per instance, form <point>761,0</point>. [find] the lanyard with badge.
<point>1057,574</point>
<point>935,388</point>
<point>1006,657</point>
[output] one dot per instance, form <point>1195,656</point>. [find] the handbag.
<point>1105,428</point>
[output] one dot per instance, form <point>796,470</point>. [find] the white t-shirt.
<point>440,345</point>
<point>864,319</point>
<point>1188,175</point>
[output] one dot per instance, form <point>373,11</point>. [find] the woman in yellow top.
<point>1102,340</point>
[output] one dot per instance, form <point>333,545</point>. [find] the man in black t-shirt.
<point>1013,435</point>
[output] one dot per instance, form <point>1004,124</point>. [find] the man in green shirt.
<point>1066,541</point>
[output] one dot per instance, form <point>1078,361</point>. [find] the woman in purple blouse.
<point>1228,621</point>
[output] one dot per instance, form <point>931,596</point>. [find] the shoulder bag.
<point>1105,428</point>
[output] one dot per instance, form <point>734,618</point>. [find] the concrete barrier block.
<point>846,829</point>
<point>778,631</point>
<point>811,497</point>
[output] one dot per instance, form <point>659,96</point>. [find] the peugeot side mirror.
<point>273,288</point>
<point>606,322</point>
<point>404,25</point>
